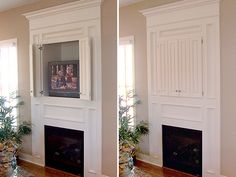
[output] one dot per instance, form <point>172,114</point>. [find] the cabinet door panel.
<point>163,69</point>
<point>184,66</point>
<point>190,66</point>
<point>179,66</point>
<point>173,67</point>
<point>85,69</point>
<point>37,71</point>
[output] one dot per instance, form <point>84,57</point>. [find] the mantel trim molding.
<point>181,5</point>
<point>67,7</point>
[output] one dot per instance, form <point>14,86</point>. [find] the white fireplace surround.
<point>68,22</point>
<point>174,99</point>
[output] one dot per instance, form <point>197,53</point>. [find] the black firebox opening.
<point>182,149</point>
<point>64,149</point>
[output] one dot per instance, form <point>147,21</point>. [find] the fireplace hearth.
<point>182,149</point>
<point>64,149</point>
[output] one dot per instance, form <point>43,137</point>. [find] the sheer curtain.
<point>126,66</point>
<point>8,67</point>
<point>9,72</point>
<point>126,73</point>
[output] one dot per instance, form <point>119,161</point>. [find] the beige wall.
<point>109,85</point>
<point>14,25</point>
<point>228,87</point>
<point>133,23</point>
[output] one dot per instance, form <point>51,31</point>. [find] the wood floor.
<point>158,171</point>
<point>39,171</point>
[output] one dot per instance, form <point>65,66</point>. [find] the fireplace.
<point>182,149</point>
<point>64,149</point>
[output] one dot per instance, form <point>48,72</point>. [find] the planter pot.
<point>126,164</point>
<point>7,161</point>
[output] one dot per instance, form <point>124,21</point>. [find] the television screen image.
<point>64,78</point>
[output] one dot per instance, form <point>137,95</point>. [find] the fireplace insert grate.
<point>182,149</point>
<point>64,149</point>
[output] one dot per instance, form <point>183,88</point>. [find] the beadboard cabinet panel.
<point>179,66</point>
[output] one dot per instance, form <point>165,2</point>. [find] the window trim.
<point>4,43</point>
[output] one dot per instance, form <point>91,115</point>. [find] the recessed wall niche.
<point>55,54</point>
<point>52,64</point>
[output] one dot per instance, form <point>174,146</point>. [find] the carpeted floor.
<point>19,172</point>
<point>137,172</point>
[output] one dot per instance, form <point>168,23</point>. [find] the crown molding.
<point>67,7</point>
<point>180,5</point>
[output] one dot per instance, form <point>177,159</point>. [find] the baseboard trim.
<point>148,159</point>
<point>153,161</point>
<point>31,159</point>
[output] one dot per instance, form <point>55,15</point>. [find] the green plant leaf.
<point>130,136</point>
<point>9,132</point>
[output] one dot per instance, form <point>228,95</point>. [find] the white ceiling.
<point>123,3</point>
<point>9,4</point>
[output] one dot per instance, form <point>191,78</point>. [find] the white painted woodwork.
<point>184,75</point>
<point>77,21</point>
<point>179,65</point>
<point>44,53</point>
<point>85,72</point>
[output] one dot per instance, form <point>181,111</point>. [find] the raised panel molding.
<point>180,30</point>
<point>153,64</point>
<point>65,35</point>
<point>182,112</point>
<point>37,133</point>
<point>85,72</point>
<point>183,62</point>
<point>64,113</point>
<point>155,130</point>
<point>211,56</point>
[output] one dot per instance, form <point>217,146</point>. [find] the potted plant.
<point>11,133</point>
<point>130,133</point>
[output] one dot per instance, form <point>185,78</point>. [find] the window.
<point>126,66</point>
<point>8,67</point>
<point>9,70</point>
<point>126,74</point>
